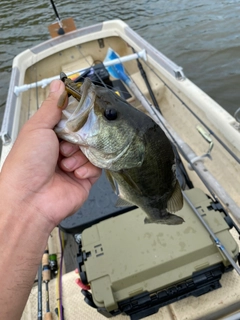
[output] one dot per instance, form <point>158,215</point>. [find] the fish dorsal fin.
<point>175,203</point>
<point>122,203</point>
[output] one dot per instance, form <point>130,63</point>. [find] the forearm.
<point>23,238</point>
<point>35,195</point>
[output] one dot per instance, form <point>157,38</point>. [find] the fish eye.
<point>110,114</point>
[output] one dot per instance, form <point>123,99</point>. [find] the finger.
<point>49,114</point>
<point>85,184</point>
<point>73,162</point>
<point>67,148</point>
<point>93,180</point>
<point>87,171</point>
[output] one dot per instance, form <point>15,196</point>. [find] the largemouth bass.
<point>135,152</point>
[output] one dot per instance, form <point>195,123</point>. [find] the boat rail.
<point>14,91</point>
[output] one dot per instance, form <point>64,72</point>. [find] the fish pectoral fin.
<point>122,203</point>
<point>175,203</point>
<point>128,179</point>
<point>111,180</point>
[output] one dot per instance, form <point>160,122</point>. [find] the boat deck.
<point>215,305</point>
<point>180,112</point>
<point>181,105</point>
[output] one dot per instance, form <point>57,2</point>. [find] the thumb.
<point>49,114</point>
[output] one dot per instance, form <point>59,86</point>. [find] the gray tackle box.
<point>135,268</point>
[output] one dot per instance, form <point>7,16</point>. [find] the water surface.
<point>201,36</point>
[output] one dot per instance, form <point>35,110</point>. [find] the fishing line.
<point>100,82</point>
<point>175,143</point>
<point>185,153</point>
<point>91,65</point>
<point>160,118</point>
<point>197,117</point>
<point>155,103</point>
<point>215,189</point>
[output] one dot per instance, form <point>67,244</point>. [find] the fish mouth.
<point>75,117</point>
<point>82,123</point>
<point>78,118</point>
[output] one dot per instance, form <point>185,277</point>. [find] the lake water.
<point>201,36</point>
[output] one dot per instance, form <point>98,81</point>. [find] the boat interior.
<point>181,112</point>
<point>180,103</point>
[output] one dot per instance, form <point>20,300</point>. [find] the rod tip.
<point>61,31</point>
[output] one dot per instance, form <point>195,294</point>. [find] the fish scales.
<point>135,152</point>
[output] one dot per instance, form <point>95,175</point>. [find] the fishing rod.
<point>212,234</point>
<point>60,305</point>
<point>60,30</point>
<point>145,78</point>
<point>210,182</point>
<point>55,269</point>
<point>235,157</point>
<point>46,276</point>
<point>155,103</point>
<point>40,292</point>
<point>196,163</point>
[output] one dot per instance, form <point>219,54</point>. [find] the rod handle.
<point>46,274</point>
<point>45,258</point>
<point>48,316</point>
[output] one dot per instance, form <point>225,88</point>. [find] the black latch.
<point>216,206</point>
<point>81,257</point>
<point>88,298</point>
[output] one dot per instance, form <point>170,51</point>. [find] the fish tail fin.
<point>175,203</point>
<point>169,219</point>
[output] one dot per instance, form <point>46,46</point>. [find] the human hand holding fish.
<point>41,183</point>
<point>37,179</point>
<point>134,151</point>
